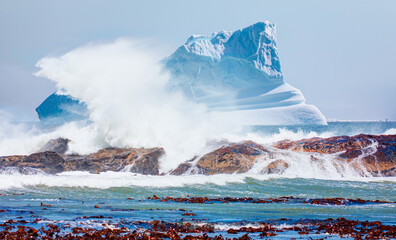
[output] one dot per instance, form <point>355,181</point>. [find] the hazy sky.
<point>341,54</point>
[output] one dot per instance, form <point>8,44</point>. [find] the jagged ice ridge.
<point>232,73</point>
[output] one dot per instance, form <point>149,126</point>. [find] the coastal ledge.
<point>368,155</point>
<point>190,230</point>
<point>375,154</point>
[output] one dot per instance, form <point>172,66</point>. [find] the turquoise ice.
<point>233,73</point>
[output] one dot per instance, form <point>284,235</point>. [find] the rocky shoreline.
<point>168,230</point>
<point>369,155</point>
<point>109,227</point>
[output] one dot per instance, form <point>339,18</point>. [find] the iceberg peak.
<point>230,72</point>
<point>256,44</point>
<point>240,70</point>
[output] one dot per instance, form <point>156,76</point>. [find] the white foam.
<point>23,139</point>
<point>391,131</point>
<point>128,102</point>
<point>112,179</point>
<point>130,106</point>
<point>283,134</point>
<point>107,180</point>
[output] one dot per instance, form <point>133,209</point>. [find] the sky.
<point>340,54</point>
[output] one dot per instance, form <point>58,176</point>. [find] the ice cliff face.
<point>61,108</point>
<point>232,73</point>
<point>240,72</point>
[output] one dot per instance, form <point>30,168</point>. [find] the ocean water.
<point>123,196</point>
<point>336,128</point>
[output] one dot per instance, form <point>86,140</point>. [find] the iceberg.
<point>239,73</point>
<point>233,73</point>
<point>58,108</point>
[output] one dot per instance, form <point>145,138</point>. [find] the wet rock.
<point>148,163</point>
<point>156,229</point>
<point>109,159</point>
<point>48,162</point>
<point>182,169</point>
<point>235,158</point>
<point>186,168</point>
<point>59,146</point>
<point>20,170</point>
<point>324,145</point>
<point>143,161</point>
<point>8,160</point>
<point>278,166</point>
<point>284,199</point>
<point>366,153</point>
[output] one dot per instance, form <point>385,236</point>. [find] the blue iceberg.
<point>59,108</point>
<point>231,73</point>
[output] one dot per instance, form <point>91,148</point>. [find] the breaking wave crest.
<point>391,131</point>
<point>107,180</point>
<point>130,105</point>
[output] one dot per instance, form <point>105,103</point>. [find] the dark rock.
<point>48,162</point>
<point>235,158</point>
<point>109,159</point>
<point>20,170</point>
<point>143,161</point>
<point>148,163</point>
<point>185,168</point>
<point>181,169</point>
<point>377,154</point>
<point>59,146</point>
<point>278,166</point>
<point>8,160</point>
<point>367,154</point>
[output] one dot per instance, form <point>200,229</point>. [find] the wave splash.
<point>108,180</point>
<point>130,105</point>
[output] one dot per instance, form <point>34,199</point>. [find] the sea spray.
<point>129,104</point>
<point>106,180</point>
<point>19,138</point>
<point>390,131</point>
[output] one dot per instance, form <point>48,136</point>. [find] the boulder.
<point>277,167</point>
<point>235,158</point>
<point>182,169</point>
<point>136,160</point>
<point>59,146</point>
<point>48,162</point>
<point>375,154</point>
<point>325,145</point>
<point>148,162</point>
<point>143,161</point>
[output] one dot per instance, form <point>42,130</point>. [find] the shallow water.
<point>69,204</point>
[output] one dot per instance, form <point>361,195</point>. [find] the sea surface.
<point>124,196</point>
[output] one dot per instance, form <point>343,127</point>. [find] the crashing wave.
<point>232,73</point>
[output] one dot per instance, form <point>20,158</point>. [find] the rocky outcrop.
<point>371,153</point>
<point>59,146</point>
<point>142,161</point>
<point>366,154</point>
<point>277,167</point>
<point>48,162</point>
<point>235,158</point>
